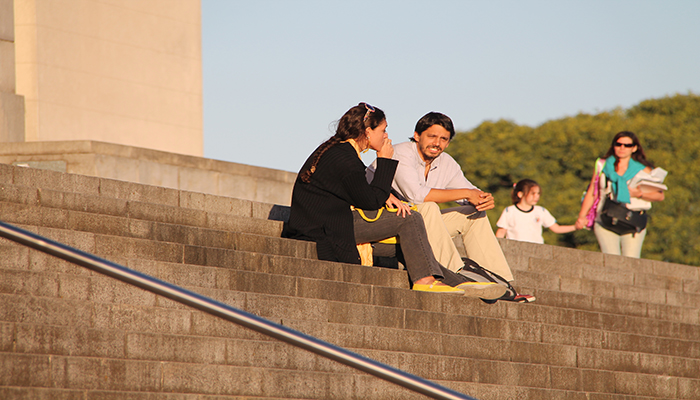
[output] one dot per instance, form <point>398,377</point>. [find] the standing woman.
<point>624,160</point>
<point>332,182</point>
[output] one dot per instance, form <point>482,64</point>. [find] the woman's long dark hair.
<point>638,155</point>
<point>351,125</point>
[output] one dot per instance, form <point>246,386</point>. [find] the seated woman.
<point>332,182</point>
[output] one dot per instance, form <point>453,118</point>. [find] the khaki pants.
<point>473,226</point>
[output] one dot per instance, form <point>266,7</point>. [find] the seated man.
<point>426,176</point>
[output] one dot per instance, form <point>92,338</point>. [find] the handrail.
<point>229,313</point>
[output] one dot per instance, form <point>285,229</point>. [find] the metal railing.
<point>229,313</point>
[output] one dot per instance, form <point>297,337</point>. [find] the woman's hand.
<point>403,208</point>
<point>387,150</point>
<point>635,191</point>
<point>646,196</point>
<point>581,222</point>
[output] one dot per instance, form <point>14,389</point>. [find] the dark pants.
<point>420,261</point>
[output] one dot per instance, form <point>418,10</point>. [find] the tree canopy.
<point>560,156</point>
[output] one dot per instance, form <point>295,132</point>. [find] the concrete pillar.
<point>11,105</point>
<point>120,71</point>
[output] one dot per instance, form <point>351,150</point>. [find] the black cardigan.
<point>321,208</point>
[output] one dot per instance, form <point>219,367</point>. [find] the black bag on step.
<point>476,273</point>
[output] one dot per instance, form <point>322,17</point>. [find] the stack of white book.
<point>650,182</point>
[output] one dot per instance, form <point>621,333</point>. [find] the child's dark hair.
<point>524,186</point>
<point>352,125</point>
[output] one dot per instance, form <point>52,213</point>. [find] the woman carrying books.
<point>623,175</point>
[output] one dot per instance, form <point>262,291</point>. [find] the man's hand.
<point>481,200</point>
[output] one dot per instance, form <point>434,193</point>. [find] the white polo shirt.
<point>525,226</point>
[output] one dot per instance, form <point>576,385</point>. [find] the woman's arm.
<point>370,196</point>
<point>586,205</point>
<point>656,195</point>
<point>647,196</point>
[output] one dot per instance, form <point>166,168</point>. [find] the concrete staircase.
<point>603,327</point>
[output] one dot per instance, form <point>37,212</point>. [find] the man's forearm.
<point>481,200</point>
<point>445,195</point>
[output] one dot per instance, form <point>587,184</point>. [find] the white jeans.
<point>626,245</point>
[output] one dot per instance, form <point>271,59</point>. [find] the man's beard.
<point>427,157</point>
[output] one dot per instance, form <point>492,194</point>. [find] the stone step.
<point>134,219</point>
<point>362,305</point>
<point>481,338</point>
<point>603,328</point>
<point>617,381</point>
<point>57,187</point>
<point>484,360</point>
<point>572,263</point>
<point>541,283</point>
<point>376,389</point>
<point>225,214</point>
<point>139,376</point>
<point>53,393</point>
<point>250,378</point>
<point>144,232</point>
<point>69,186</point>
<point>204,247</point>
<point>188,208</point>
<point>571,277</point>
<point>121,250</point>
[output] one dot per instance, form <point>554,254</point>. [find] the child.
<point>524,220</point>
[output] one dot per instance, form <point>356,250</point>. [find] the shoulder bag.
<point>617,218</point>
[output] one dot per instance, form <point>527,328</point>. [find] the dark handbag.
<point>617,218</point>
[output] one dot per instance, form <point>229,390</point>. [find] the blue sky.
<point>278,73</point>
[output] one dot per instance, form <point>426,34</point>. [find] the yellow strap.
<point>379,212</point>
<point>362,214</point>
<point>412,207</point>
<point>391,240</point>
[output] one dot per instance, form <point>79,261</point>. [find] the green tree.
<point>560,155</point>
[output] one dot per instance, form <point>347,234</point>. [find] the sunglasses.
<point>369,110</point>
<point>627,145</point>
